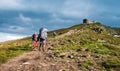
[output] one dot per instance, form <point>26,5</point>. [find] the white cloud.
<point>78,8</point>
<point>29,5</point>
<point>8,36</point>
<point>24,19</point>
<point>10,4</point>
<point>116,17</point>
<point>59,20</point>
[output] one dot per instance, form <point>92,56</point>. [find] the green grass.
<point>97,45</point>
<point>8,53</point>
<point>112,64</point>
<point>89,39</point>
<point>87,63</point>
<point>86,41</point>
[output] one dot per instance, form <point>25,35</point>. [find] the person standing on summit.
<point>41,39</point>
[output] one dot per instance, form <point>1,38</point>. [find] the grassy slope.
<point>88,48</point>
<point>117,30</point>
<point>13,48</point>
<point>89,44</point>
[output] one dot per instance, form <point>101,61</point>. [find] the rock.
<point>83,55</point>
<point>63,70</point>
<point>62,55</point>
<point>67,61</point>
<point>102,41</point>
<point>97,56</point>
<point>26,63</point>
<point>88,56</point>
<point>87,49</point>
<point>47,58</point>
<point>71,56</point>
<point>84,49</point>
<point>78,50</point>
<point>56,54</point>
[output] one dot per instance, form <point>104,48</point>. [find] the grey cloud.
<point>36,13</point>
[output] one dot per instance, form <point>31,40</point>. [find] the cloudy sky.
<point>19,18</point>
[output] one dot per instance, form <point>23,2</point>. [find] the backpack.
<point>43,33</point>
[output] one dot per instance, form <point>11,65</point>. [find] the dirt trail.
<point>37,61</point>
<point>40,61</point>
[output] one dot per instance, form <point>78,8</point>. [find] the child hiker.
<point>34,40</point>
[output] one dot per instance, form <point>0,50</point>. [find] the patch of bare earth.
<point>37,61</point>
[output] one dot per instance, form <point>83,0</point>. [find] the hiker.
<point>34,40</point>
<point>54,34</point>
<point>41,39</point>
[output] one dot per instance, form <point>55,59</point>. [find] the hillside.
<point>83,47</point>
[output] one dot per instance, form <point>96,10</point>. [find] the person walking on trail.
<point>41,39</point>
<point>34,40</point>
<point>54,34</point>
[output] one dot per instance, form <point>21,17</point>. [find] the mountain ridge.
<point>83,47</point>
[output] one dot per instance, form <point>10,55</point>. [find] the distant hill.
<point>82,47</point>
<point>106,29</point>
<point>117,30</point>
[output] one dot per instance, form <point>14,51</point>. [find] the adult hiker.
<point>41,39</point>
<point>34,40</point>
<point>54,34</point>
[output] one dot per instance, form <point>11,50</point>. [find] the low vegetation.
<point>13,48</point>
<point>83,44</point>
<point>86,42</point>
